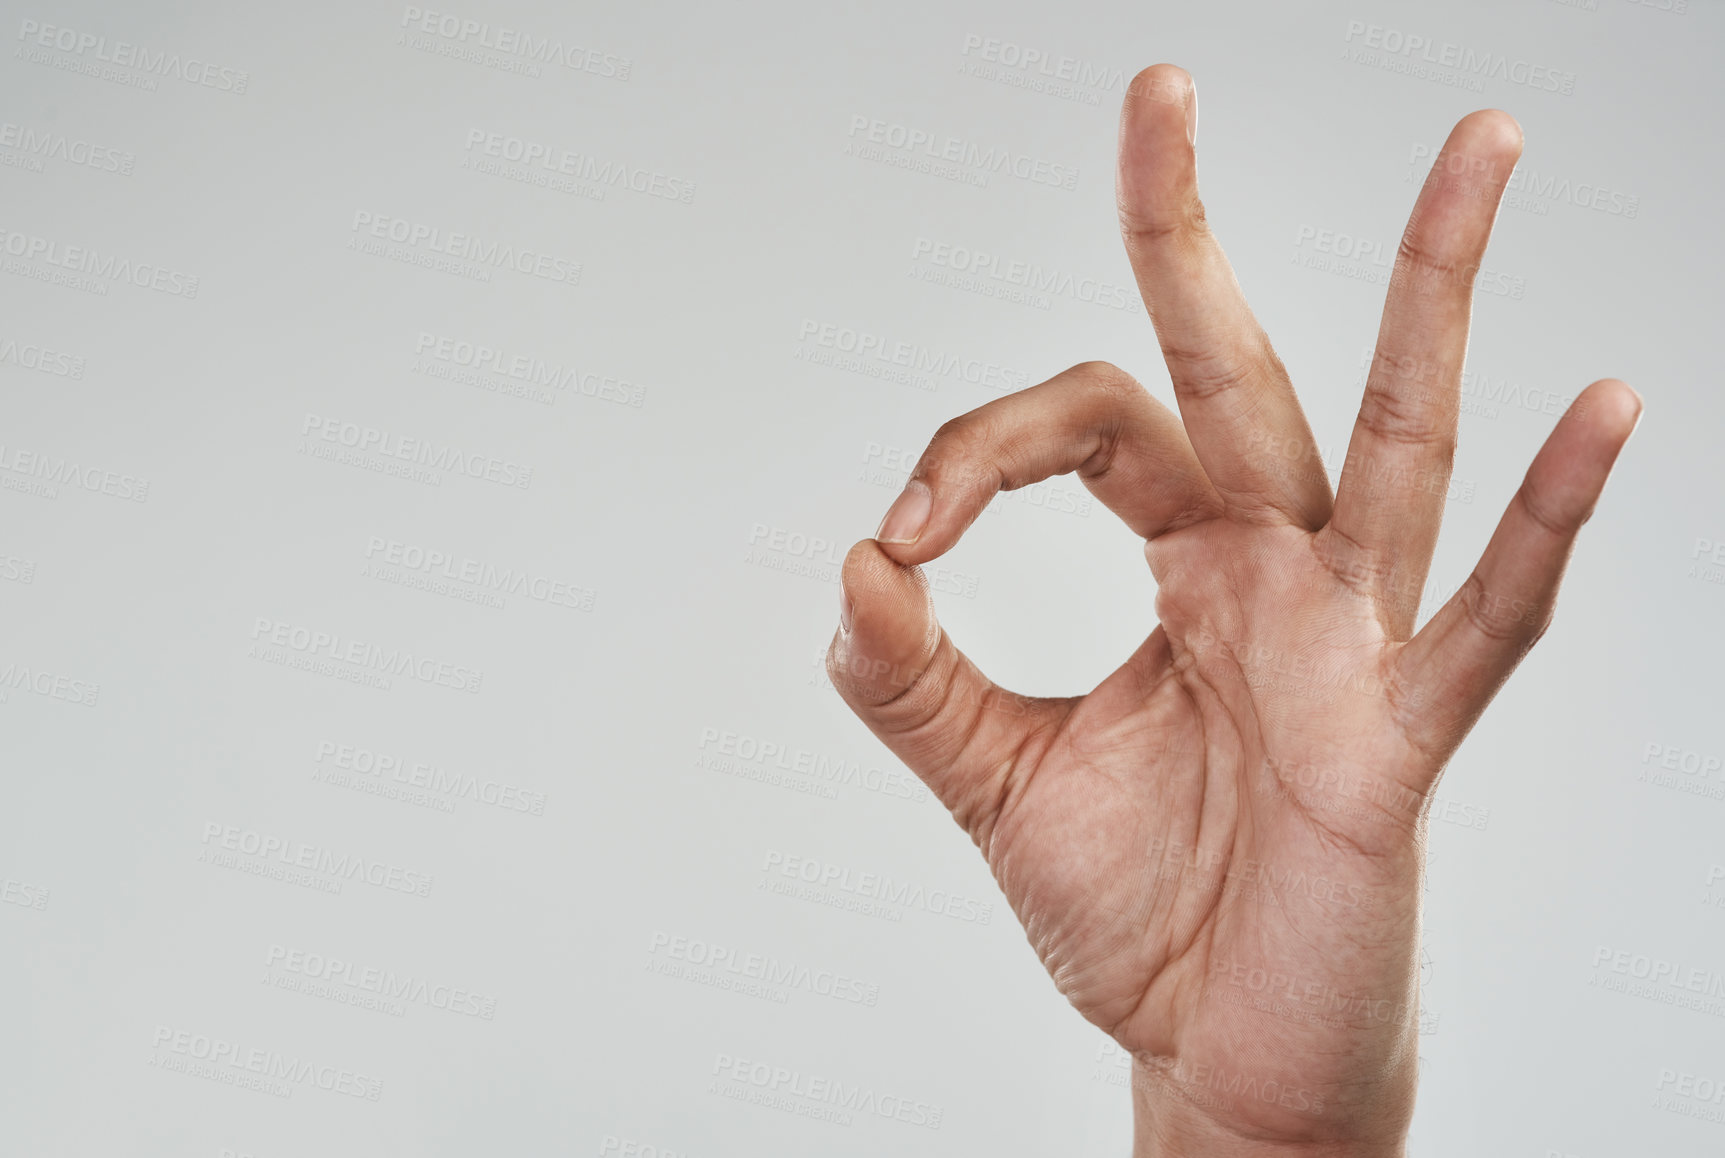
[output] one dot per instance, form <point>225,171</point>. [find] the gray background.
<point>1560,839</point>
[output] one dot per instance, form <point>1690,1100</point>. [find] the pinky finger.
<point>1452,668</point>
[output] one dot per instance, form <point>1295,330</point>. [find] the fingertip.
<point>887,629</point>
<point>870,576</point>
<point>1168,83</point>
<point>1155,182</point>
<point>908,517</point>
<point>1494,132</point>
<point>1612,403</point>
<point>1569,474</point>
<point>1630,396</point>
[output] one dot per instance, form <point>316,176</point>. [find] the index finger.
<point>1233,390</point>
<point>1094,418</point>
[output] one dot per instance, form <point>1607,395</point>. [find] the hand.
<point>1217,852</point>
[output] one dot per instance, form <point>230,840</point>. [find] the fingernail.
<point>1192,114</point>
<point>845,610</point>
<point>905,518</point>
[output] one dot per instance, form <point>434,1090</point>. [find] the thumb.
<point>880,654</point>
<point>895,666</point>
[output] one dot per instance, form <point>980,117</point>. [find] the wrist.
<point>1188,1110</point>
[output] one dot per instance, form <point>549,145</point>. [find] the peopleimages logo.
<point>872,887</point>
<point>49,145</point>
<point>1027,276</point>
<point>68,472</point>
<point>265,1064</point>
<point>29,356</point>
<point>23,677</point>
<point>580,166</point>
<point>104,267</point>
<point>514,42</point>
<point>298,854</point>
<point>817,766</point>
<point>530,369</point>
<point>435,240</point>
<point>387,444</point>
<point>1293,997</point>
<point>1005,52</point>
<point>23,894</point>
<point>307,970</point>
<point>727,967</point>
<point>1526,188</point>
<point>374,766</point>
<point>962,152</point>
<point>1039,70</point>
<point>369,656</point>
<point>785,1087</point>
<point>190,69</point>
<point>920,364</point>
<point>1464,59</point>
<point>443,565</point>
<point>1658,970</point>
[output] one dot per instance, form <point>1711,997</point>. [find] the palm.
<point>1216,852</point>
<point>1170,853</point>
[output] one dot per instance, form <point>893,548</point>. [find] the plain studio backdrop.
<point>430,437</point>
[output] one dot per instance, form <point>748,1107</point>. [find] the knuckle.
<point>959,452</point>
<point>1498,618</point>
<point>1099,372</point>
<point>1422,265</point>
<point>1108,383</point>
<point>1403,416</point>
<point>952,430</point>
<point>1360,569</point>
<point>1539,511</point>
<point>954,437</point>
<point>1540,627</point>
<point>1182,221</point>
<point>1202,374</point>
<point>1419,254</point>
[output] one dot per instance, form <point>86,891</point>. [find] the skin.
<point>1217,853</point>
